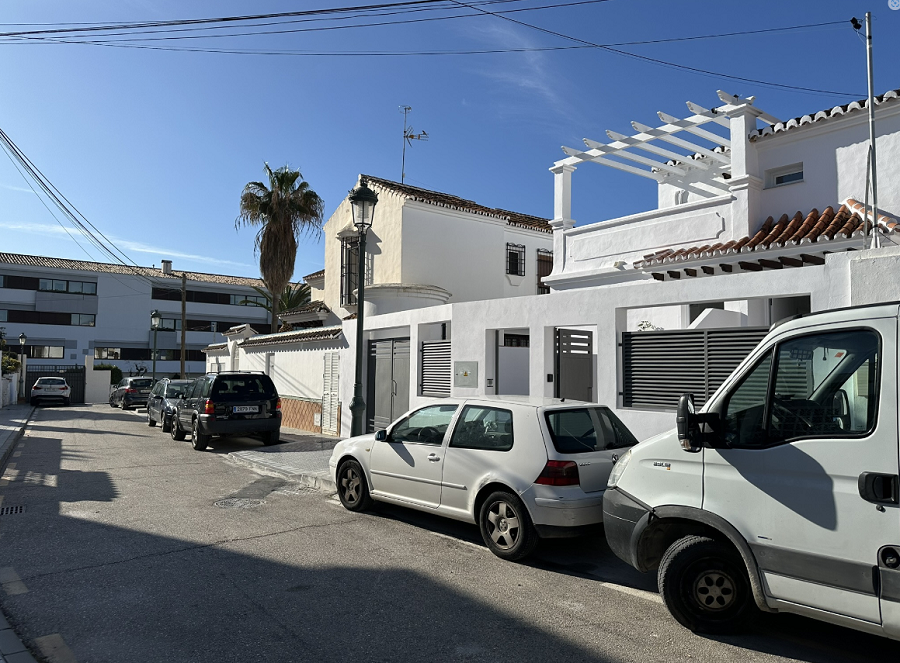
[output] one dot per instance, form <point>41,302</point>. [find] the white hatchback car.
<point>47,389</point>
<point>521,468</point>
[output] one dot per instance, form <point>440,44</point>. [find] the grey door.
<point>574,364</point>
<point>388,382</point>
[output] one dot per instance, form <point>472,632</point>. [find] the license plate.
<point>245,408</point>
<point>145,391</point>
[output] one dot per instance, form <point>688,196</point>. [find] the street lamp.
<point>22,341</point>
<point>362,202</point>
<point>155,319</point>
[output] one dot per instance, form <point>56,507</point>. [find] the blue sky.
<point>154,147</point>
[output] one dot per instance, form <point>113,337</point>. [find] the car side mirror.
<point>688,424</point>
<point>381,435</point>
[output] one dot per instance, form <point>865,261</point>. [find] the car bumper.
<point>210,425</point>
<point>564,509</point>
<point>50,397</point>
<point>623,521</point>
<point>135,400</point>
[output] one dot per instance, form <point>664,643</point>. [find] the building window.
<point>107,353</point>
<point>84,319</point>
<point>3,316</point>
<point>784,175</point>
<point>544,267</point>
<point>516,340</point>
<point>47,352</point>
<point>170,324</point>
<point>75,287</point>
<point>249,300</point>
<point>515,259</point>
<point>349,269</point>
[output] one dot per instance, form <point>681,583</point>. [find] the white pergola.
<point>656,141</point>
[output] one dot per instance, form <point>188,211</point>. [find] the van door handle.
<point>433,458</point>
<point>879,488</point>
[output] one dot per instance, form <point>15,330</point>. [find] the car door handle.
<point>879,488</point>
<point>434,458</point>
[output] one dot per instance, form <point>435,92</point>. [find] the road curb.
<point>318,479</point>
<point>9,444</point>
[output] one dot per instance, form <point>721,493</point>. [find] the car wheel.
<point>123,406</point>
<point>176,432</point>
<point>198,439</point>
<point>150,420</point>
<point>704,585</point>
<point>67,401</point>
<point>351,485</point>
<point>271,437</point>
<point>506,526</point>
<point>166,424</point>
<point>111,403</point>
<point>34,402</point>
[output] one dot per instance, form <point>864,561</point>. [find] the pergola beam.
<point>713,114</point>
<point>580,156</point>
<point>691,127</point>
<point>600,148</point>
<point>667,136</point>
<point>631,141</point>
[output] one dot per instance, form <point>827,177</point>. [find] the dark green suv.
<point>234,403</point>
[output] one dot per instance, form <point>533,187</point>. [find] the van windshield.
<point>243,388</point>
<point>585,429</point>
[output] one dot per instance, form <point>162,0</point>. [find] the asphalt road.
<point>123,555</point>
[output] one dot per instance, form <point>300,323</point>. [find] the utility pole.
<point>183,319</point>
<point>408,137</point>
<point>871,165</point>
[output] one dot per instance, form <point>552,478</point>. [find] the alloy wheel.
<point>503,525</point>
<point>350,485</point>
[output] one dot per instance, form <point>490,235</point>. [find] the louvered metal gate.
<point>331,388</point>
<point>388,382</point>
<point>74,376</point>
<point>437,371</point>
<point>659,366</point>
<point>574,364</point>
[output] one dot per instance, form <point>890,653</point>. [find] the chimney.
<point>166,266</point>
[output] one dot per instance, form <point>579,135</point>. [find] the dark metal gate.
<point>575,364</point>
<point>73,374</point>
<point>388,382</point>
<point>437,370</point>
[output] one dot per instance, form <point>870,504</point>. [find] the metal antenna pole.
<point>875,240</point>
<point>405,110</point>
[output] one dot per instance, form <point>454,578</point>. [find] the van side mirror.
<point>381,435</point>
<point>688,424</point>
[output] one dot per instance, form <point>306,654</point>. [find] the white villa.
<point>757,219</point>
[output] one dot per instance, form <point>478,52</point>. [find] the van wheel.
<point>351,486</point>
<point>704,585</point>
<point>506,526</point>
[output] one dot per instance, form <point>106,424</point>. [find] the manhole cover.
<point>238,503</point>
<point>11,510</point>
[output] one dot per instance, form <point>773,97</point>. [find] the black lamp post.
<point>362,202</point>
<point>154,325</point>
<point>22,340</point>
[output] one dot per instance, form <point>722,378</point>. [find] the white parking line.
<point>463,541</point>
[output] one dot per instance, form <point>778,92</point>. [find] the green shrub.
<point>115,373</point>
<point>10,364</point>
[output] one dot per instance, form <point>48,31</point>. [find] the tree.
<point>291,298</point>
<point>283,210</point>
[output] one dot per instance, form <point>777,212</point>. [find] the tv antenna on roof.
<point>408,138</point>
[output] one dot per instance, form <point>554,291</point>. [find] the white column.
<point>745,183</point>
<point>562,213</point>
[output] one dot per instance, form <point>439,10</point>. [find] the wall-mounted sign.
<point>465,374</point>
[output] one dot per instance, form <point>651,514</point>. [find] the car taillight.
<point>130,391</point>
<point>36,387</point>
<point>559,473</point>
<point>278,405</point>
<point>209,407</point>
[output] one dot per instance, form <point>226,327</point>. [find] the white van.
<point>782,493</point>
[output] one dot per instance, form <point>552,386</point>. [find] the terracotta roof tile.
<point>112,268</point>
<point>215,346</point>
<point>813,227</point>
<point>315,275</point>
<point>837,111</point>
<point>296,336</point>
<point>310,307</point>
<point>454,202</point>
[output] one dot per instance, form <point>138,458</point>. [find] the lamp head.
<point>22,338</point>
<point>362,202</point>
<point>155,319</point>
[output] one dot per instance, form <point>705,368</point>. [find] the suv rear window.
<point>144,382</point>
<point>176,390</point>
<point>585,429</point>
<point>243,388</point>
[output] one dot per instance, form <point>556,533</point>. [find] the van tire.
<point>705,587</point>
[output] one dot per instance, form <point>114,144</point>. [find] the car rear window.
<point>142,383</point>
<point>51,381</point>
<point>243,388</point>
<point>176,390</point>
<point>585,429</point>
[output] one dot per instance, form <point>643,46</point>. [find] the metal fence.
<point>73,374</point>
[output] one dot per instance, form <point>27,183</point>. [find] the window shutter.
<point>436,368</point>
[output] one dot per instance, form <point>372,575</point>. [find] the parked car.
<point>131,392</point>
<point>234,403</point>
<point>51,389</point>
<point>521,468</point>
<point>163,401</point>
<point>782,493</point>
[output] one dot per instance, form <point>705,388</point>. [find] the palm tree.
<point>291,298</point>
<point>283,210</point>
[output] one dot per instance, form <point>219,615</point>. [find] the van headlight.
<point>618,469</point>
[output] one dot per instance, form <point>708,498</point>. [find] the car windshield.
<point>243,388</point>
<point>54,381</point>
<point>580,430</point>
<point>142,383</point>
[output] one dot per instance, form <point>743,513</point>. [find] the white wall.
<point>297,369</point>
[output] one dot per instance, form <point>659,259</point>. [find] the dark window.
<point>787,178</point>
<point>544,267</point>
<point>21,282</point>
<point>176,390</point>
<point>84,319</point>
<point>107,353</point>
<point>142,383</point>
<point>61,285</point>
<point>485,428</point>
<point>587,429</point>
<point>243,388</point>
<point>515,259</point>
<point>135,354</point>
<point>45,351</point>
<point>167,294</point>
<point>516,340</point>
<point>349,269</point>
<point>425,426</point>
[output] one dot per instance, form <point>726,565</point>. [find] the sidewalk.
<point>301,457</point>
<point>12,422</point>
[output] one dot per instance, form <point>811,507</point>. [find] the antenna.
<point>408,137</point>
